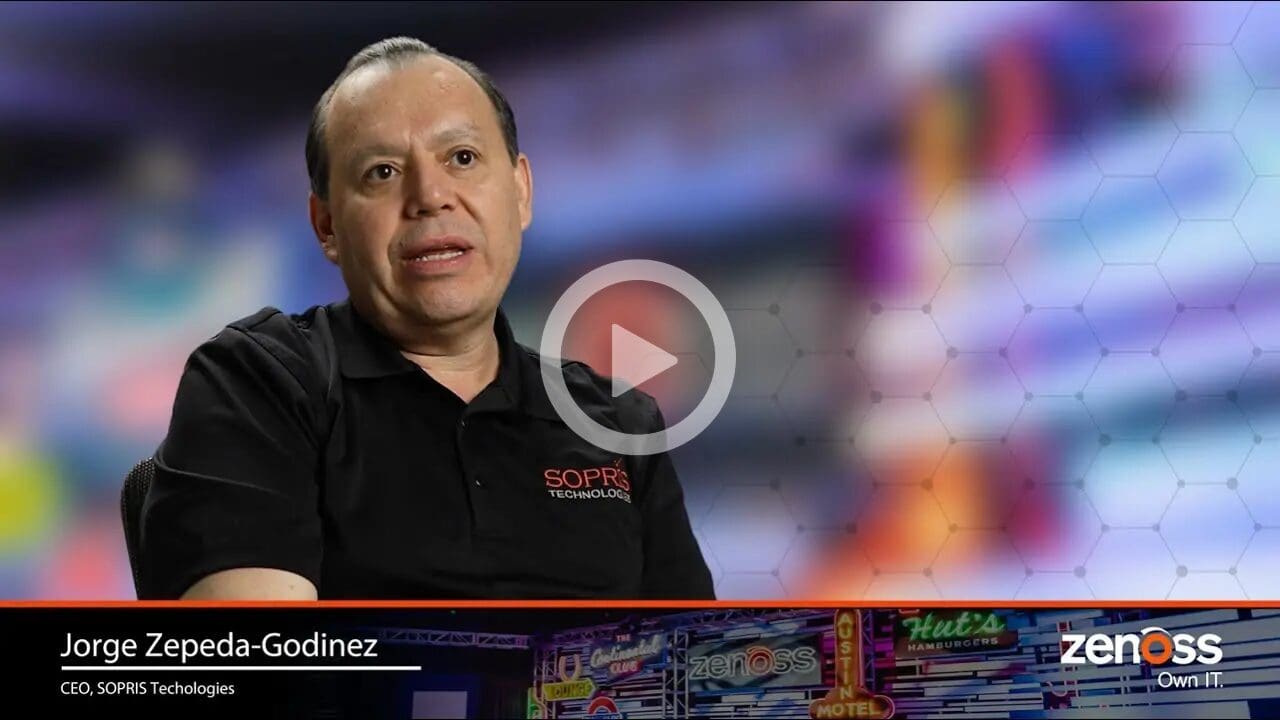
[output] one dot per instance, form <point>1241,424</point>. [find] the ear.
<point>524,185</point>
<point>322,224</point>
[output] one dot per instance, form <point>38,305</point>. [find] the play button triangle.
<point>636,360</point>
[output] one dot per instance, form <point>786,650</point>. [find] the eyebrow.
<point>468,131</point>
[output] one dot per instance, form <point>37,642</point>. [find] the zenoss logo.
<point>1153,645</point>
<point>755,661</point>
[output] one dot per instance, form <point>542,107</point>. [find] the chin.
<point>441,308</point>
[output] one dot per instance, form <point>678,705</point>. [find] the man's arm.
<point>233,510</point>
<point>250,584</point>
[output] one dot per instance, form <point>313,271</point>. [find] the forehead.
<point>386,102</point>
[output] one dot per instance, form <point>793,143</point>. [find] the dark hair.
<point>393,50</point>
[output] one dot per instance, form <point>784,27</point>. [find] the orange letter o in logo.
<point>1145,648</point>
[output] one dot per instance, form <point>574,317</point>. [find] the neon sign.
<point>535,710</point>
<point>850,697</point>
<point>625,658</point>
<point>570,686</point>
<point>950,631</point>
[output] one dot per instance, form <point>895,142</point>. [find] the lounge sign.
<point>568,690</point>
<point>572,685</point>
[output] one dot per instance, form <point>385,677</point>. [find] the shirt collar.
<point>364,353</point>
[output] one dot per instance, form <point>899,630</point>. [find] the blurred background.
<point>1005,278</point>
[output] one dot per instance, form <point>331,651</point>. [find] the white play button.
<point>636,360</point>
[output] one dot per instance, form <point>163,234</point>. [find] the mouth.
<point>436,255</point>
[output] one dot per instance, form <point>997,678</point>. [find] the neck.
<point>464,362</point>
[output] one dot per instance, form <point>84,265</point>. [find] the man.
<point>401,443</point>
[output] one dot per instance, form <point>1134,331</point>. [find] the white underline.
<point>326,668</point>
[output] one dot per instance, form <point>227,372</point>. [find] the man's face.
<point>425,207</point>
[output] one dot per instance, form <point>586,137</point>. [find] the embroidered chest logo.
<point>593,483</point>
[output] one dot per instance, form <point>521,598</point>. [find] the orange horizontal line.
<point>635,604</point>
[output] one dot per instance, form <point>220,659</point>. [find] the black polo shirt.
<point>309,443</point>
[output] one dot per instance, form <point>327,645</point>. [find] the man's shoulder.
<point>272,322</point>
<point>632,411</point>
<point>276,329</point>
<point>298,342</point>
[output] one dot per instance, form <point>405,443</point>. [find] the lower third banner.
<point>1169,661</point>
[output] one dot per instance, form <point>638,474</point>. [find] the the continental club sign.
<point>627,656</point>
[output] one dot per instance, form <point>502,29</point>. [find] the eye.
<point>464,157</point>
<point>381,172</point>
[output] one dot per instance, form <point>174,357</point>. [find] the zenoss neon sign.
<point>755,661</point>
<point>850,698</point>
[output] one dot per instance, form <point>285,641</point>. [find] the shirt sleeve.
<point>673,564</point>
<point>235,478</point>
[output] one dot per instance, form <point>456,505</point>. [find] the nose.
<point>429,190</point>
